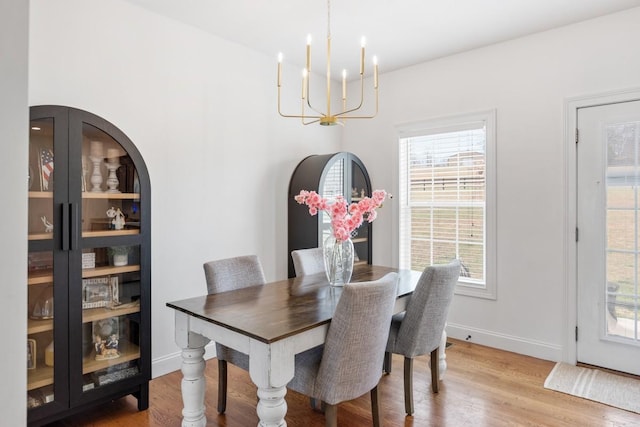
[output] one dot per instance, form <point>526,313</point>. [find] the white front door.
<point>608,247</point>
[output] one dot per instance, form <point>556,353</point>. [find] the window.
<point>447,198</point>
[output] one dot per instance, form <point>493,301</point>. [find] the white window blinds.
<point>443,192</point>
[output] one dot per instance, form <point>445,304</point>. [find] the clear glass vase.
<point>338,260</point>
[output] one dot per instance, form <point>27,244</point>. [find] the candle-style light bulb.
<point>305,75</point>
<point>344,84</point>
<point>362,43</point>
<point>279,69</point>
<point>375,72</point>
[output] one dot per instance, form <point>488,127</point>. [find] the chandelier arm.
<point>298,116</point>
<point>342,116</point>
<point>311,106</point>
<point>308,98</point>
<point>361,99</point>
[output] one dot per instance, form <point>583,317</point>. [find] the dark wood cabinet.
<point>89,252</point>
<point>329,175</point>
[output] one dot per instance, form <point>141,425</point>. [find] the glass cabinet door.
<point>360,188</point>
<point>332,186</point>
<point>346,177</point>
<point>110,290</point>
<point>42,284</point>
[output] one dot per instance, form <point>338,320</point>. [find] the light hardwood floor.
<point>483,387</point>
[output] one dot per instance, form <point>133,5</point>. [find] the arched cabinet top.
<point>341,173</point>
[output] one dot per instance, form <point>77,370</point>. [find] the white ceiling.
<point>400,32</point>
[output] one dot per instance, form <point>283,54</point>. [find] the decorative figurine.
<point>118,218</point>
<point>105,338</point>
<point>48,227</point>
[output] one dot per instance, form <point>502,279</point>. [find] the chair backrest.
<point>233,273</point>
<point>423,323</point>
<point>308,261</point>
<point>354,348</point>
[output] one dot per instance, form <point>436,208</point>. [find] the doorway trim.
<point>571,107</point>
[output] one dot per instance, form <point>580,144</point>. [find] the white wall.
<point>14,117</point>
<point>202,112</point>
<point>527,81</point>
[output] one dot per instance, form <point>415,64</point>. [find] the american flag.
<point>46,160</point>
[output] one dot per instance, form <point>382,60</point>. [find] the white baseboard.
<point>173,361</point>
<point>533,348</point>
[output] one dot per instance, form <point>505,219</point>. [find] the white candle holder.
<point>112,180</point>
<point>96,175</point>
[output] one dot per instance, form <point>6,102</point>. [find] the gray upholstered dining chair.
<point>227,275</point>
<point>348,364</point>
<point>308,261</point>
<point>418,330</point>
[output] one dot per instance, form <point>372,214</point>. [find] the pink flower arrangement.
<point>345,219</point>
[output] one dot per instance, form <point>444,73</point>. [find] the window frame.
<point>488,290</point>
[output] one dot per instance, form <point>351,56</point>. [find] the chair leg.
<point>386,366</point>
<point>408,385</point>
<point>316,405</point>
<point>331,415</point>
<point>435,370</point>
<point>222,386</point>
<point>375,408</point>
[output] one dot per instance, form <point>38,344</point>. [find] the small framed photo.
<point>96,292</point>
<point>31,354</point>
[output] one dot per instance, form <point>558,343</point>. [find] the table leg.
<point>442,365</point>
<point>272,407</point>
<point>193,387</point>
<point>193,364</point>
<point>271,367</point>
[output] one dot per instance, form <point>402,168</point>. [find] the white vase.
<point>338,260</point>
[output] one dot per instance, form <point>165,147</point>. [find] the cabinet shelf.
<point>36,326</point>
<point>93,314</point>
<point>40,195</point>
<point>40,377</point>
<point>43,375</point>
<point>46,276</point>
<point>128,352</point>
<point>113,196</point>
<point>40,277</point>
<point>105,271</point>
<point>40,236</point>
<point>110,233</point>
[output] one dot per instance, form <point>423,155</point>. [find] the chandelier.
<point>328,118</point>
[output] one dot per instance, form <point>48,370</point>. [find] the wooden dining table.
<point>271,323</point>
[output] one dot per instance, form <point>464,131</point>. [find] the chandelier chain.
<point>328,18</point>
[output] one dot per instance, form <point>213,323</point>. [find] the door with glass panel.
<point>608,247</point>
<point>47,382</point>
<point>107,286</point>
